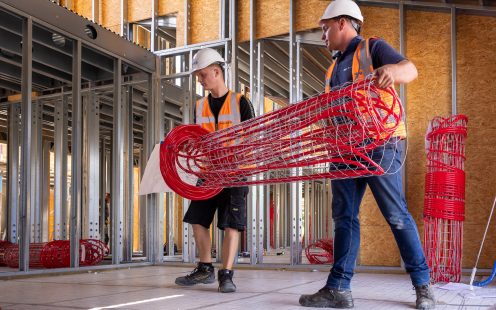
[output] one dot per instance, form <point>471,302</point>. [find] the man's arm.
<point>401,73</point>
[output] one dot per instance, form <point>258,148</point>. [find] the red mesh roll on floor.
<point>12,255</point>
<point>56,254</point>
<point>444,203</point>
<point>327,136</point>
<point>3,247</point>
<point>320,252</point>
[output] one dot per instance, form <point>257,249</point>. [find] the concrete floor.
<point>153,288</point>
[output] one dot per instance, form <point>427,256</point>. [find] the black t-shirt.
<point>245,107</point>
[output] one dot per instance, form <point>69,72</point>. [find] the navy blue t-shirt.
<point>381,52</point>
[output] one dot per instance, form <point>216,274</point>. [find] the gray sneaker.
<point>425,297</point>
<point>201,274</point>
<point>226,284</point>
<point>328,298</point>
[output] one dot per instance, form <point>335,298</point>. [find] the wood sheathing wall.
<point>427,44</point>
<point>377,247</point>
<point>476,98</point>
<point>111,15</point>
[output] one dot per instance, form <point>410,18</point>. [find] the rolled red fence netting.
<point>444,202</point>
<point>3,247</point>
<point>11,257</point>
<point>327,136</point>
<point>92,252</point>
<point>57,254</point>
<point>320,252</point>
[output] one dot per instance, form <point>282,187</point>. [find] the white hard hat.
<point>204,58</point>
<point>342,7</point>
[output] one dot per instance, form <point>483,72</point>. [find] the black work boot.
<point>425,297</point>
<point>226,284</point>
<point>203,273</point>
<point>328,298</point>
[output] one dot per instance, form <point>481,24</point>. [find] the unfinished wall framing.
<point>427,41</point>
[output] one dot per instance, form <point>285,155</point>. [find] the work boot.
<point>328,298</point>
<point>203,273</point>
<point>425,297</point>
<point>226,284</point>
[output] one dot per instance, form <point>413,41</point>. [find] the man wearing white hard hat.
<point>356,58</point>
<point>221,109</point>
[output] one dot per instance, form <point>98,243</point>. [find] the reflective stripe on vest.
<point>361,67</point>
<point>229,114</point>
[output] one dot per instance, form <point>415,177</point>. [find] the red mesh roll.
<point>444,200</point>
<point>445,195</point>
<point>92,252</point>
<point>57,254</point>
<point>327,136</point>
<point>12,255</point>
<point>320,252</point>
<point>3,247</point>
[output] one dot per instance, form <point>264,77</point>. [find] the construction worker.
<point>341,23</point>
<point>221,109</point>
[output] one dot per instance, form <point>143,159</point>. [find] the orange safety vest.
<point>229,114</point>
<point>360,68</point>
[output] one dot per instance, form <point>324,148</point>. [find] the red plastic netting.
<point>444,204</point>
<point>56,254</point>
<point>3,248</point>
<point>320,252</point>
<point>327,136</point>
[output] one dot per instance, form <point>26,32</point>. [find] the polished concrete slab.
<point>153,288</point>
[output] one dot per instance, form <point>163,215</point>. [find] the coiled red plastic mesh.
<point>444,203</point>
<point>320,252</point>
<point>327,136</point>
<point>56,254</point>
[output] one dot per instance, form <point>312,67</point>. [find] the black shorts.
<point>231,206</point>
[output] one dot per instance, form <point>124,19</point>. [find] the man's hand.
<point>400,73</point>
<point>384,76</point>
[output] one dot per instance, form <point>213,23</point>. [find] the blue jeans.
<point>388,193</point>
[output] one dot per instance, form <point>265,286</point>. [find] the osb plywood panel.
<point>115,28</point>
<point>308,14</point>
<point>139,10</point>
<point>205,19</point>
<point>243,20</point>
<point>472,237</point>
<point>111,14</point>
<point>383,23</point>
<point>476,73</point>
<point>428,47</point>
<point>64,3</point>
<point>82,7</point>
<point>166,7</point>
<point>272,18</point>
<point>378,247</point>
<point>269,21</point>
<point>170,6</point>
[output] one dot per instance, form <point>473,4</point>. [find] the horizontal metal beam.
<point>192,47</point>
<point>469,8</point>
<point>15,72</point>
<point>51,59</point>
<point>9,85</point>
<point>76,27</point>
